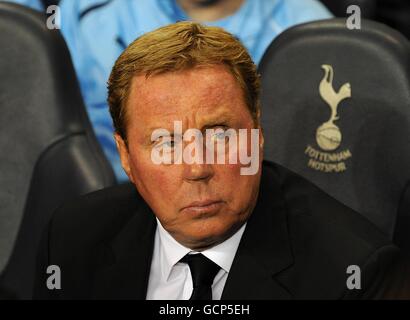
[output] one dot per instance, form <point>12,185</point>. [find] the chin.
<point>210,233</point>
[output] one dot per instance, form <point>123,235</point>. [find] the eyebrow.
<point>218,123</point>
<point>221,119</point>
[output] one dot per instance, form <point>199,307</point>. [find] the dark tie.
<point>203,272</point>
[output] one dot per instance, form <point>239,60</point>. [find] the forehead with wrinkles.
<point>192,94</point>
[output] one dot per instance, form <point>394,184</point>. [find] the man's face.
<point>200,205</point>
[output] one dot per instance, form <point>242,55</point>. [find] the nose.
<point>198,172</point>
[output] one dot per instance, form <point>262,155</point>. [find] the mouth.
<point>203,207</point>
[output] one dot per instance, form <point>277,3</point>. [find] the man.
<point>190,228</point>
<point>97,31</point>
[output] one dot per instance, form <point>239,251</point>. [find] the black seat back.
<point>336,109</point>
<point>48,150</point>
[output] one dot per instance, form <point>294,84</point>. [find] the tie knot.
<point>203,270</point>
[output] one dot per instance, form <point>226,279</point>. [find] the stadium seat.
<point>48,150</point>
<point>336,109</point>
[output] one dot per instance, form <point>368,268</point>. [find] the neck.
<point>209,10</point>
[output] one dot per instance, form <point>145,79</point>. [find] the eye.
<point>218,136</point>
<point>168,144</point>
<point>222,134</point>
<point>165,144</point>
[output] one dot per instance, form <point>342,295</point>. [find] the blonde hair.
<point>178,47</point>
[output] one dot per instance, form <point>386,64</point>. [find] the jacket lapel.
<point>126,268</point>
<point>264,249</point>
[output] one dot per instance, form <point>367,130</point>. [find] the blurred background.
<point>395,13</point>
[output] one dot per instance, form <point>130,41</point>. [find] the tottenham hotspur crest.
<point>328,134</point>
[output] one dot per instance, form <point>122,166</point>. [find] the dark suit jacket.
<point>297,245</point>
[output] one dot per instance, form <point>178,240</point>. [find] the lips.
<point>203,207</point>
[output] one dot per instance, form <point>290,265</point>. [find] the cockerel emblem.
<point>328,135</point>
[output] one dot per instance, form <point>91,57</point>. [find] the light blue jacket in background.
<point>97,31</point>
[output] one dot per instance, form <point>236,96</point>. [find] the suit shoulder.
<point>327,238</point>
<point>326,215</point>
<point>97,216</point>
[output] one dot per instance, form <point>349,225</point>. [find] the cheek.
<point>154,182</point>
<point>237,188</point>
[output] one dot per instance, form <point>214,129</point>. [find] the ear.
<point>261,137</point>
<point>124,155</point>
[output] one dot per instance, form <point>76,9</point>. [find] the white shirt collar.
<point>172,251</point>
